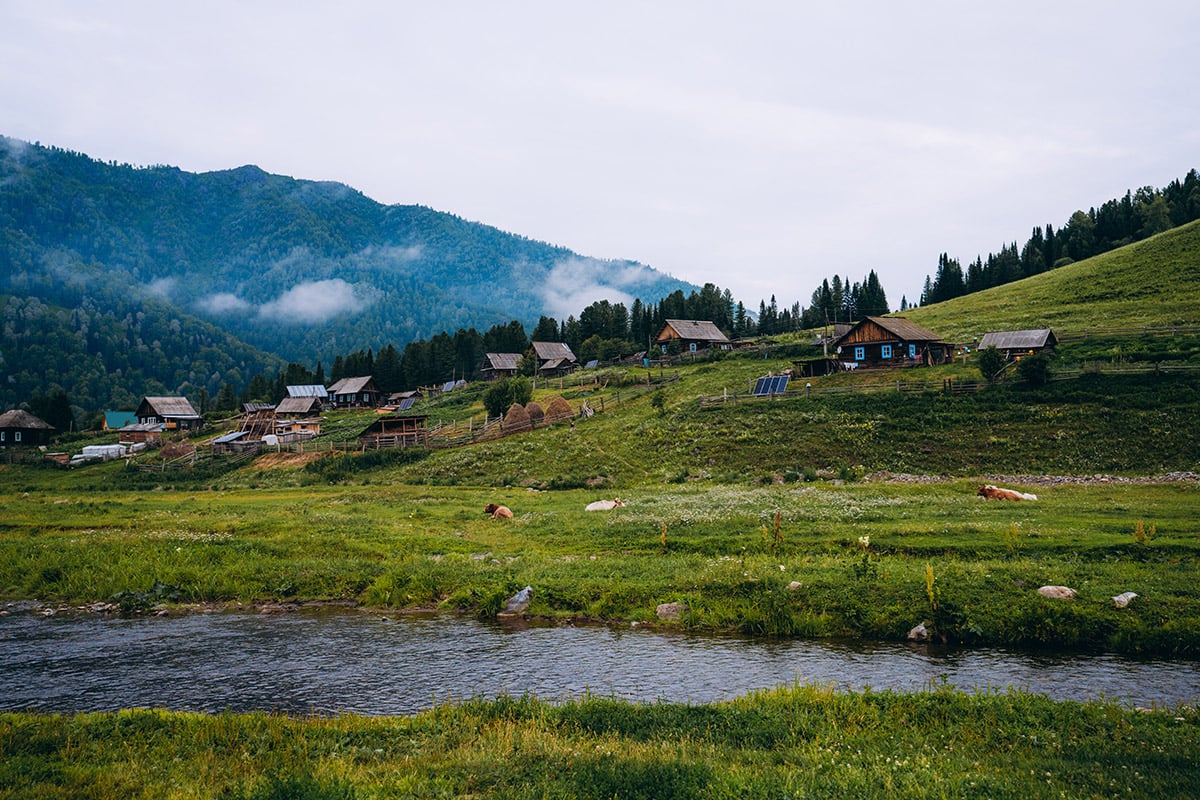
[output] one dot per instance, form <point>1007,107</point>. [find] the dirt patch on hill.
<point>278,460</point>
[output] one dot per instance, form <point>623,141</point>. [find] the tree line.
<point>1136,216</point>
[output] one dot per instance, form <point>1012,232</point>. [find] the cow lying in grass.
<point>996,493</point>
<point>498,512</point>
<point>605,505</point>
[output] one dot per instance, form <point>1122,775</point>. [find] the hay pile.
<point>517,419</point>
<point>558,409</point>
<point>536,414</point>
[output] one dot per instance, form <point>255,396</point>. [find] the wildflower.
<point>864,542</point>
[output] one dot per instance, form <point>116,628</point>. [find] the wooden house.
<point>360,392</point>
<point>500,365</point>
<point>692,336</point>
<point>297,429</point>
<point>21,429</point>
<point>147,433</point>
<point>554,358</point>
<point>175,413</point>
<point>396,431</point>
<point>891,342</point>
<point>1014,344</point>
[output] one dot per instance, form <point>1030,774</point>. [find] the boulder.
<point>671,612</point>
<point>794,585</point>
<point>919,634</point>
<point>519,601</point>
<point>1123,599</point>
<point>1057,592</point>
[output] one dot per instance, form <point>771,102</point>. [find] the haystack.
<point>536,414</point>
<point>558,409</point>
<point>517,419</point>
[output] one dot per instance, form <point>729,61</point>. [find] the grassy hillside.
<point>1155,282</point>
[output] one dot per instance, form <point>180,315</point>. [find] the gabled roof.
<point>23,419</point>
<point>899,327</point>
<point>309,390</point>
<point>548,351</point>
<point>1018,340</point>
<point>695,330</point>
<point>170,407</point>
<point>503,361</point>
<point>118,419</point>
<point>353,385</point>
<point>555,363</point>
<point>296,405</point>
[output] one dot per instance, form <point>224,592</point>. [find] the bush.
<point>1035,369</point>
<point>505,393</point>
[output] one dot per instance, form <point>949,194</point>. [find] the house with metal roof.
<point>554,358</point>
<point>175,413</point>
<point>309,390</point>
<point>1015,344</point>
<point>359,392</point>
<point>891,342</point>
<point>692,336</point>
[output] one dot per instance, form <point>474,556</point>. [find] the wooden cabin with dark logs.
<point>891,342</point>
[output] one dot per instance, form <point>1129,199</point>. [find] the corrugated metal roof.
<point>697,330</point>
<point>1016,340</point>
<point>547,351</point>
<point>296,405</point>
<point>229,437</point>
<point>503,361</point>
<point>310,390</point>
<point>118,419</point>
<point>174,407</point>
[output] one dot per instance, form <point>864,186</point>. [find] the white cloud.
<point>163,287</point>
<point>573,284</point>
<point>309,303</point>
<point>222,303</point>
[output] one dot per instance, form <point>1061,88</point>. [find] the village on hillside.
<point>873,343</point>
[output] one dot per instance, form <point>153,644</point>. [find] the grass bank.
<point>814,559</point>
<point>799,742</point>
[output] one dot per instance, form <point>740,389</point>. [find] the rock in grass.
<point>919,634</point>
<point>671,612</point>
<point>1057,592</point>
<point>519,601</point>
<point>1123,599</point>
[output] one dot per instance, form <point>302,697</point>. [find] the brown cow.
<point>996,493</point>
<point>498,512</point>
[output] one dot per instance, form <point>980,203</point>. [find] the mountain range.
<point>193,280</point>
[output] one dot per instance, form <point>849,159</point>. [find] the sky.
<point>760,146</point>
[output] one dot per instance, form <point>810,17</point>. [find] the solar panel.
<point>407,403</point>
<point>770,384</point>
<point>449,387</point>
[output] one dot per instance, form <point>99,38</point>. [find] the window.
<point>16,436</point>
<point>912,351</point>
<point>692,347</point>
<point>885,352</point>
<point>860,353</point>
<point>2,435</point>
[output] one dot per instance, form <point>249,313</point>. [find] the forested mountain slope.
<point>297,268</point>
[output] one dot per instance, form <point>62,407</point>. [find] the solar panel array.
<point>407,403</point>
<point>771,384</point>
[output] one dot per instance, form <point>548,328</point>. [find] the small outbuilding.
<point>554,358</point>
<point>175,413</point>
<point>396,431</point>
<point>145,433</point>
<point>21,429</point>
<point>115,420</point>
<point>294,407</point>
<point>891,342</point>
<point>692,336</point>
<point>499,365</point>
<point>1014,344</point>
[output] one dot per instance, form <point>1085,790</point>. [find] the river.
<point>351,661</point>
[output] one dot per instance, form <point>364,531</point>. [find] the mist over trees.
<point>1136,216</point>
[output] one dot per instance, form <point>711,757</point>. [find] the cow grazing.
<point>498,512</point>
<point>605,505</point>
<point>997,493</point>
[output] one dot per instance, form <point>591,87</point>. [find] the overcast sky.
<point>761,146</point>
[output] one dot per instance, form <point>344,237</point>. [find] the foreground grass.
<point>802,559</point>
<point>798,742</point>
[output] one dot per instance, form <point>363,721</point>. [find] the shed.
<point>891,342</point>
<point>298,406</point>
<point>21,429</point>
<point>141,433</point>
<point>176,413</point>
<point>407,430</point>
<point>360,392</point>
<point>1015,344</point>
<point>236,442</point>
<point>499,365</point>
<point>692,335</point>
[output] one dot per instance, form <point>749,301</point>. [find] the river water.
<point>329,662</point>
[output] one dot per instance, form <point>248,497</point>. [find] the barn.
<point>1014,344</point>
<point>554,358</point>
<point>360,392</point>
<point>499,365</point>
<point>692,336</point>
<point>891,342</point>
